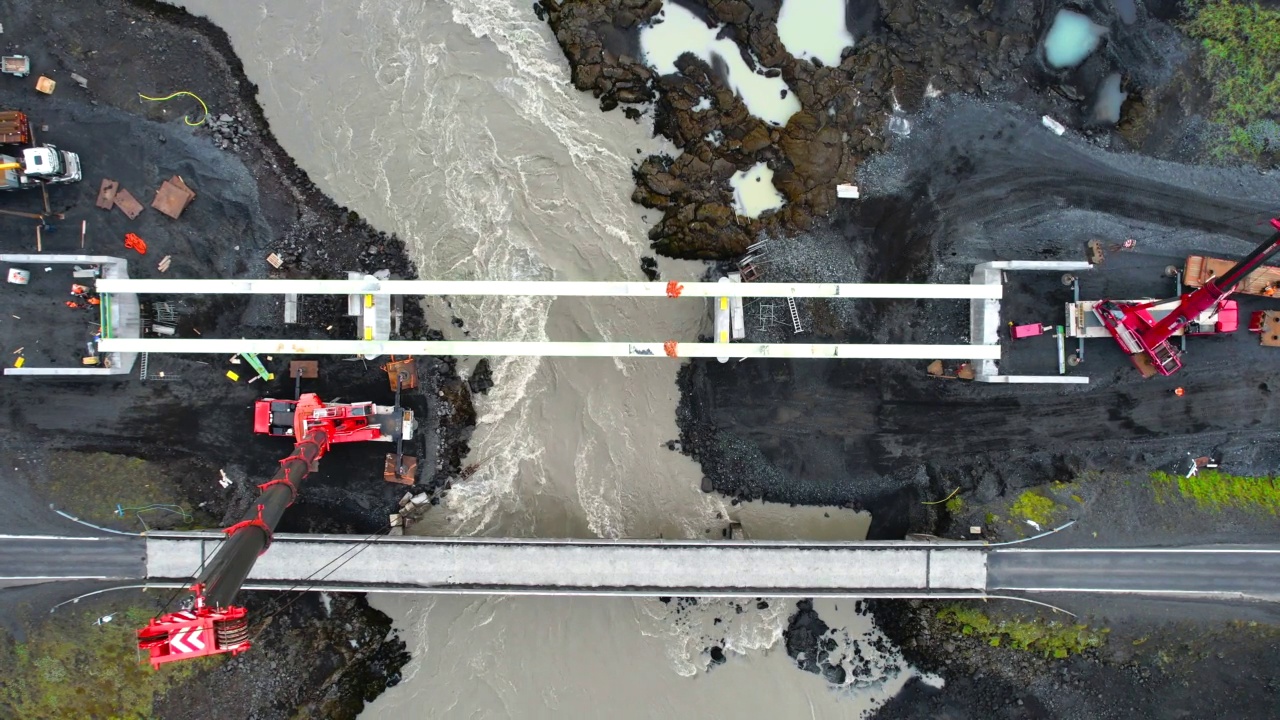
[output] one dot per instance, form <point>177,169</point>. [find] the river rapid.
<point>453,124</point>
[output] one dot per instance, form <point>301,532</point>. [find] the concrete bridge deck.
<point>597,567</point>
<point>659,567</point>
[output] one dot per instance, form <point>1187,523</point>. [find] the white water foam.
<point>455,126</point>
<point>678,31</point>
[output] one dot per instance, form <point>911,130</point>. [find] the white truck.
<point>40,164</point>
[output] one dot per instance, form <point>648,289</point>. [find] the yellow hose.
<point>185,118</point>
<point>10,166</point>
<point>939,502</point>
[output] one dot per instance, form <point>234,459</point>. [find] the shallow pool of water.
<point>1072,38</point>
<point>680,32</point>
<point>753,191</point>
<point>814,29</point>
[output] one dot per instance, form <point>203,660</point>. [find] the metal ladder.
<point>795,315</point>
<point>165,313</point>
<point>142,367</point>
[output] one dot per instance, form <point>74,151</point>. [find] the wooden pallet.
<point>1200,268</point>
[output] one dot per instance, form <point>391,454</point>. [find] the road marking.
<point>50,537</point>
<point>1148,591</point>
<point>65,577</point>
<point>1225,551</point>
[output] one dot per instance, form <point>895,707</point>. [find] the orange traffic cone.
<point>1179,391</point>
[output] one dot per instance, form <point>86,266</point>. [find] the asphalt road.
<point>31,559</point>
<point>1252,572</point>
<point>1227,571</point>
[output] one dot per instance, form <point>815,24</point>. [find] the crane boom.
<point>214,624</point>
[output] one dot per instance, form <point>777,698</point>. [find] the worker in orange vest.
<point>77,289</point>
<point>72,304</point>
<point>95,301</point>
<point>1179,391</point>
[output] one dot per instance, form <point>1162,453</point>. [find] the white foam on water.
<point>1072,38</point>
<point>753,191</point>
<point>680,32</point>
<point>454,124</point>
<point>814,29</point>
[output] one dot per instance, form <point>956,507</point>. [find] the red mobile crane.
<point>1146,339</point>
<point>213,624</point>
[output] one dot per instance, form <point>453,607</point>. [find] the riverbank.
<point>936,115</point>
<point>187,425</point>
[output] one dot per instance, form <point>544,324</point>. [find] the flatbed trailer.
<point>1083,322</point>
<point>1200,268</point>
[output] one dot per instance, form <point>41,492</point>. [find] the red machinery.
<point>213,624</point>
<point>351,422</point>
<point>1146,339</point>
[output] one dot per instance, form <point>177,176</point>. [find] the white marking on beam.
<point>526,288</point>
<point>483,348</point>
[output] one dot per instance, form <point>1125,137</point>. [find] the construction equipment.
<point>402,373</point>
<point>211,624</point>
<point>1144,334</point>
<point>39,165</point>
<point>15,128</point>
<point>351,422</point>
<point>15,65</point>
<point>256,364</point>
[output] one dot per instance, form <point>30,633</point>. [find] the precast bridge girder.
<point>551,288</point>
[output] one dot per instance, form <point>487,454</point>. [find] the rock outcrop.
<point>904,49</point>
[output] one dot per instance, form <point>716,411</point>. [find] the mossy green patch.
<point>1242,60</point>
<point>1047,637</point>
<point>955,505</point>
<point>1035,507</point>
<point>1214,490</point>
<point>90,485</point>
<point>70,668</point>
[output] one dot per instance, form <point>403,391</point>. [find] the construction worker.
<point>1270,289</point>
<point>79,290</point>
<point>1178,391</point>
<point>94,301</point>
<point>73,304</point>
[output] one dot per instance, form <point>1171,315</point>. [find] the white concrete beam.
<point>477,348</point>
<point>528,288</point>
<point>570,567</point>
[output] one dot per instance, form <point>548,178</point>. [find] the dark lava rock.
<point>803,634</point>
<point>649,266</point>
<point>903,48</point>
<point>481,377</point>
<point>717,656</point>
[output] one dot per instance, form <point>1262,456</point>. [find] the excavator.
<point>1144,336</point>
<point>210,623</point>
